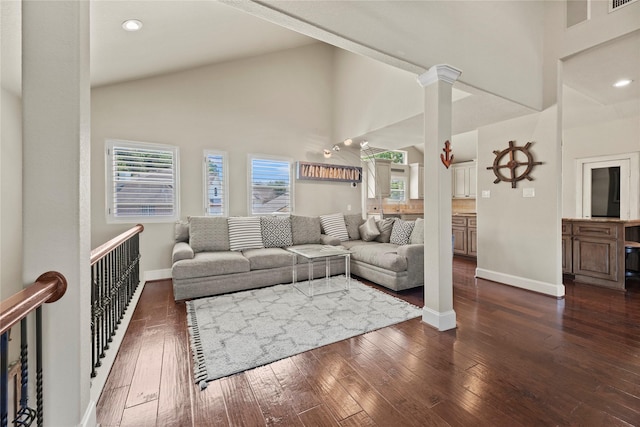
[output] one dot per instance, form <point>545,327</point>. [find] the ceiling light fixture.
<point>348,142</point>
<point>327,153</point>
<point>622,83</point>
<point>335,147</point>
<point>132,25</point>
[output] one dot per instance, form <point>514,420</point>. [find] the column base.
<point>441,321</point>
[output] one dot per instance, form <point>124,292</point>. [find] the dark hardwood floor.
<point>516,359</point>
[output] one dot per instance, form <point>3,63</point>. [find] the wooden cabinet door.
<point>567,254</point>
<point>459,240</point>
<point>472,241</point>
<point>595,257</point>
<point>459,187</point>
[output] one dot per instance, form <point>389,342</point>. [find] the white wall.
<point>519,238</point>
<point>593,129</point>
<point>601,27</point>
<point>278,104</point>
<point>11,196</point>
<point>370,95</point>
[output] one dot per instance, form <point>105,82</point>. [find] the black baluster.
<point>94,351</point>
<point>39,388</point>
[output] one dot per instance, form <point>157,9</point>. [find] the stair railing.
<point>115,276</point>
<point>48,288</point>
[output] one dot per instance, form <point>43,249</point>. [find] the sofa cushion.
<point>206,264</point>
<point>385,226</point>
<point>276,231</point>
<point>305,229</point>
<point>401,232</point>
<point>333,225</point>
<point>417,235</point>
<point>208,233</point>
<point>262,259</point>
<point>245,233</point>
<point>383,255</point>
<point>352,222</point>
<point>181,231</point>
<point>369,230</point>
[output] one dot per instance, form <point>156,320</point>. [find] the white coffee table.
<point>329,284</point>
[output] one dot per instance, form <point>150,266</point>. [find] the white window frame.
<point>629,183</point>
<point>250,159</point>
<point>110,182</point>
<point>404,190</point>
<point>225,181</point>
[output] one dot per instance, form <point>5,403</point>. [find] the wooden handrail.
<point>98,253</point>
<point>49,287</point>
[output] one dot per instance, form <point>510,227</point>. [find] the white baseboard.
<point>157,274</point>
<point>89,419</point>
<point>98,382</point>
<point>522,282</point>
<point>441,321</point>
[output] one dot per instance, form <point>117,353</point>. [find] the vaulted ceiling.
<point>183,34</point>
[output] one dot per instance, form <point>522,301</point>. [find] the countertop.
<point>626,222</point>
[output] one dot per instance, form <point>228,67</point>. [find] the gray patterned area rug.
<point>235,332</point>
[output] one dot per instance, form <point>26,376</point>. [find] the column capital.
<point>443,72</point>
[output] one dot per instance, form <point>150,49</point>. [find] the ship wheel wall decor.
<point>514,164</point>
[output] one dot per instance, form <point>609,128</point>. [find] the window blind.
<point>143,181</point>
<point>216,185</point>
<point>270,186</point>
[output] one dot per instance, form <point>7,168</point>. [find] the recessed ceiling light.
<point>132,25</point>
<point>622,83</point>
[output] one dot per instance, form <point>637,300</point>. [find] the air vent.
<point>397,170</point>
<point>617,4</point>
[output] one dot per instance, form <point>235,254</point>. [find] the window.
<point>271,187</point>
<point>398,189</point>
<point>216,201</point>
<point>396,156</point>
<point>142,182</point>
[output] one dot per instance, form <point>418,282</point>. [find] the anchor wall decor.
<point>447,158</point>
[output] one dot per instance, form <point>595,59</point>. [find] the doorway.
<point>607,187</point>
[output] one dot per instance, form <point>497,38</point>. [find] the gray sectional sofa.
<point>216,255</point>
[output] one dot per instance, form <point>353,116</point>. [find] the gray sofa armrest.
<point>181,250</point>
<point>329,240</point>
<point>415,261</point>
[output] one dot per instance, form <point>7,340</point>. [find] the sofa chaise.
<point>216,255</point>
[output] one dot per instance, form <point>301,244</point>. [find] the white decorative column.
<point>56,196</point>
<point>438,264</point>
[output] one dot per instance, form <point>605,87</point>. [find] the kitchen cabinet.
<point>378,178</point>
<point>463,180</point>
<point>593,250</point>
<point>416,181</point>
<point>465,236</point>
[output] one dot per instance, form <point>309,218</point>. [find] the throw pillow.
<point>276,231</point>
<point>417,235</point>
<point>245,233</point>
<point>334,226</point>
<point>369,230</point>
<point>385,226</point>
<point>305,229</point>
<point>353,222</point>
<point>181,231</point>
<point>401,232</point>
<point>208,233</point>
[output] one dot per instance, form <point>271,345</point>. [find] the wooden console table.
<point>593,249</point>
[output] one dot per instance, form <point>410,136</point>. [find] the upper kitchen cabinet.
<point>378,178</point>
<point>463,175</point>
<point>416,181</point>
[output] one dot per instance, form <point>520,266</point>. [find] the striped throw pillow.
<point>335,226</point>
<point>245,233</point>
